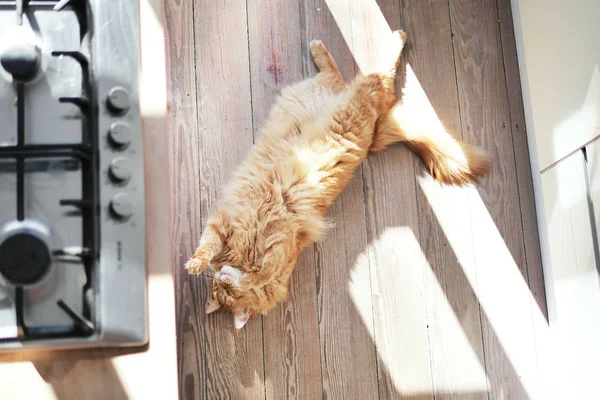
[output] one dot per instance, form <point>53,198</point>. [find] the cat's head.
<point>253,254</point>
<point>229,293</point>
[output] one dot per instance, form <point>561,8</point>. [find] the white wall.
<point>558,44</point>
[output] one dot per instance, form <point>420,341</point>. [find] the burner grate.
<point>22,7</point>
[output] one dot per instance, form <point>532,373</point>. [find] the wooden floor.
<point>419,291</point>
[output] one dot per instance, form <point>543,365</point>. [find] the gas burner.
<point>24,253</point>
<point>24,259</point>
<point>22,61</point>
<point>72,234</point>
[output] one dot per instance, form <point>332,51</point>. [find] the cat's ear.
<point>212,306</point>
<point>240,319</point>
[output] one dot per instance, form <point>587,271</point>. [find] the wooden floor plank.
<point>412,289</point>
<point>522,162</point>
<point>485,113</point>
<point>185,194</point>
<point>456,345</point>
<point>399,307</point>
<point>344,330</point>
<point>291,331</point>
<point>234,361</point>
<point>501,276</point>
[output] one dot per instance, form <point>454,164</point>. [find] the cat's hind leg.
<point>323,59</point>
<point>390,64</point>
<point>447,159</point>
<point>397,45</point>
<point>330,74</point>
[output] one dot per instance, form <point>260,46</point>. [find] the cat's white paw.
<point>232,271</point>
<point>194,266</point>
<point>401,36</point>
<point>229,272</point>
<point>395,45</point>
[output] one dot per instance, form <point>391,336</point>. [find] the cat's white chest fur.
<point>233,272</point>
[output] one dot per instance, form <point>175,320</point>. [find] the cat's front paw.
<point>396,45</point>
<point>400,35</point>
<point>195,266</point>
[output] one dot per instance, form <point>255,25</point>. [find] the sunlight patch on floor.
<point>153,84</point>
<point>503,294</point>
<point>401,329</point>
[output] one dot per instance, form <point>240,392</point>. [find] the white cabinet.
<point>593,168</point>
<point>570,341</point>
<point>559,58</point>
<point>568,220</point>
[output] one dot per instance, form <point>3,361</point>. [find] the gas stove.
<point>72,239</point>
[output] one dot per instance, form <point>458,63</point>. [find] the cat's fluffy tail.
<point>447,159</point>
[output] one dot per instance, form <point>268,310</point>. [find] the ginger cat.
<point>317,134</point>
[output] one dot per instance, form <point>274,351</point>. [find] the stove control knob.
<point>119,134</point>
<point>121,205</point>
<point>118,99</point>
<point>119,169</point>
<point>21,61</point>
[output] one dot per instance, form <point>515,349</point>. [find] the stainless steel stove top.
<point>72,249</point>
